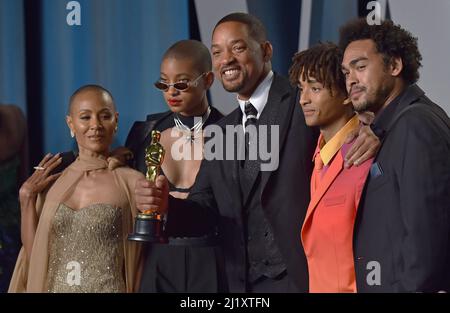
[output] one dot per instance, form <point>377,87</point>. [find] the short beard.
<point>366,105</point>
<point>376,103</point>
<point>233,88</point>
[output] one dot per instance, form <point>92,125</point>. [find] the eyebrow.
<point>237,41</point>
<point>231,43</point>
<point>178,76</point>
<point>90,111</point>
<point>353,62</point>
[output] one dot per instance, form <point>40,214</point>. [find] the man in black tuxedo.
<point>402,230</point>
<point>258,213</point>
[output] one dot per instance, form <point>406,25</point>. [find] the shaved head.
<point>193,50</point>
<point>105,94</point>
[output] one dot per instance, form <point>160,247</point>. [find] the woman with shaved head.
<point>74,224</point>
<point>186,263</point>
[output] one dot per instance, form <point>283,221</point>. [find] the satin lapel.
<point>150,125</point>
<point>144,132</point>
<point>281,112</point>
<point>335,168</point>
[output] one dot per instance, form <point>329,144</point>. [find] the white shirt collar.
<point>259,97</point>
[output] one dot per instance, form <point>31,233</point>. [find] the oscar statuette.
<point>148,224</point>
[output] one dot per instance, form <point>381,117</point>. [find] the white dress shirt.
<point>258,98</point>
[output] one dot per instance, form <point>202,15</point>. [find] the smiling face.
<point>93,120</point>
<point>319,106</point>
<point>191,101</point>
<point>368,80</point>
<point>239,61</point>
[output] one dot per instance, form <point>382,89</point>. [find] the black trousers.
<point>183,269</point>
<point>280,284</point>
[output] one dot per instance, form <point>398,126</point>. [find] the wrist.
<point>26,197</point>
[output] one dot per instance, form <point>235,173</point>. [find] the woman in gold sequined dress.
<point>75,223</point>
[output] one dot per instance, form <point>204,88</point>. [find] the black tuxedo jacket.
<point>218,199</point>
<point>401,236</point>
<point>139,136</point>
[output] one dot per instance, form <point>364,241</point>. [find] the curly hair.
<point>390,40</point>
<point>323,62</point>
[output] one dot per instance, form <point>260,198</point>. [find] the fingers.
<point>354,153</point>
<point>129,155</point>
<point>48,160</point>
<point>45,159</point>
<point>151,196</point>
<point>356,145</point>
<point>126,153</point>
<point>120,156</point>
<point>122,150</point>
<point>146,202</point>
<point>147,189</point>
<point>351,136</point>
<point>369,149</point>
<point>51,164</point>
<point>161,182</point>
<point>364,147</point>
<point>356,157</point>
<point>146,192</point>
<point>48,163</point>
<point>366,156</point>
<point>40,179</point>
<point>114,163</point>
<point>43,178</point>
<point>143,183</point>
<point>366,117</point>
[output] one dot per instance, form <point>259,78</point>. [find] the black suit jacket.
<point>218,199</point>
<point>403,220</point>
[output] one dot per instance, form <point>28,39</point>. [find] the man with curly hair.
<point>327,231</point>
<point>402,230</point>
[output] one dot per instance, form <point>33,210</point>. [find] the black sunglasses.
<point>180,86</point>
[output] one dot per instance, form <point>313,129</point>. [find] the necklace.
<point>190,133</point>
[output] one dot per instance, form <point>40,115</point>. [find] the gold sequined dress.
<point>86,253</point>
<point>84,250</point>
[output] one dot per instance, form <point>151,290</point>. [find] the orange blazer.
<point>327,232</point>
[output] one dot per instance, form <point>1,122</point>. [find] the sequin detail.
<point>86,250</point>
